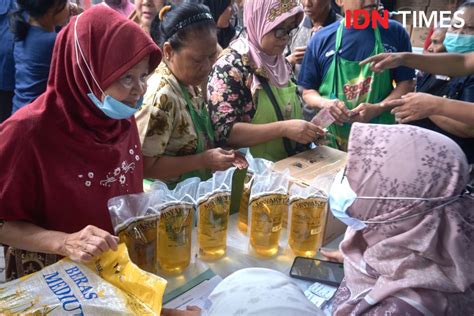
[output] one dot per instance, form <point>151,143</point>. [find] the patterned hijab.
<point>260,18</point>
<point>422,264</point>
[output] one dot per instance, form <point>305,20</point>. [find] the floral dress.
<point>229,95</point>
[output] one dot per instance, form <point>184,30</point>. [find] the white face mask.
<point>341,197</point>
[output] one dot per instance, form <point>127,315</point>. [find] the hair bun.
<point>163,11</point>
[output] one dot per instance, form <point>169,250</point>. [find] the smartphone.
<point>315,270</point>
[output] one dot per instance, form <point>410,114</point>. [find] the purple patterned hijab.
<point>423,264</point>
<point>260,18</point>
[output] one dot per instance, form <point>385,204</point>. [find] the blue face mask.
<point>113,108</point>
<point>459,43</point>
<point>341,197</point>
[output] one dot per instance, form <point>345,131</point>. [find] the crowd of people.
<point>95,100</point>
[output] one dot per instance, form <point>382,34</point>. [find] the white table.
<point>238,257</point>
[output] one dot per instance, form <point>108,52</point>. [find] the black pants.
<point>6,98</point>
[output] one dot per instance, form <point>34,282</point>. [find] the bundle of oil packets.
<point>157,226</point>
<point>110,285</point>
<point>307,216</point>
<point>213,214</point>
<point>267,212</point>
<point>257,166</point>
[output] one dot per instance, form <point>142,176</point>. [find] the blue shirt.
<point>32,62</point>
<point>7,65</point>
<point>356,45</point>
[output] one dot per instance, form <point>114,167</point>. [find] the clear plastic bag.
<point>307,216</point>
<point>213,214</point>
<point>268,207</point>
<point>109,286</point>
<point>257,166</point>
<point>157,226</point>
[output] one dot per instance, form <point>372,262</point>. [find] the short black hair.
<point>166,30</point>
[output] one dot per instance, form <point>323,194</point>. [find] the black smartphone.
<point>315,270</point>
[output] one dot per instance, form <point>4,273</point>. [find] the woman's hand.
<point>88,244</point>
<point>384,61</point>
<point>297,56</point>
<point>218,159</point>
<point>413,106</point>
<point>240,162</point>
<point>332,255</point>
<point>301,131</point>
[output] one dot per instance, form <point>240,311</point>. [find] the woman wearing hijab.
<point>124,7</point>
<point>409,246</point>
<point>76,146</point>
<point>222,11</point>
<point>252,101</point>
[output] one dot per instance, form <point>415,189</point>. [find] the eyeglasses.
<point>282,32</point>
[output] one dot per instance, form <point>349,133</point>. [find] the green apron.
<point>204,132</point>
<point>354,84</point>
<point>290,106</point>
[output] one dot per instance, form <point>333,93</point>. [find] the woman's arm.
<point>169,167</point>
<point>248,135</point>
<point>442,64</point>
<point>81,246</point>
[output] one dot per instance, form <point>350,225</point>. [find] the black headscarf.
<point>217,7</point>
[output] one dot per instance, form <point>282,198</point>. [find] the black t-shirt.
<point>459,88</point>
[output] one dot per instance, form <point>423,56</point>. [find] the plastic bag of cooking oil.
<point>137,222</point>
<point>213,207</point>
<point>257,166</point>
<point>109,286</point>
<point>268,208</point>
<point>175,229</point>
<point>306,219</point>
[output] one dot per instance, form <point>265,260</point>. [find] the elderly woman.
<point>252,99</point>
<point>409,246</point>
<point>174,123</point>
<point>76,146</point>
<point>145,12</point>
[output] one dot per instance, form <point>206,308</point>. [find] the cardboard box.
<point>304,167</point>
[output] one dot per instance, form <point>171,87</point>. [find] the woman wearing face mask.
<point>76,146</point>
<point>34,41</point>
<point>243,110</point>
<point>145,12</point>
<point>222,12</point>
<point>177,137</point>
<point>408,248</point>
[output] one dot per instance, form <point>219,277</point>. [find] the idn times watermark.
<point>362,19</point>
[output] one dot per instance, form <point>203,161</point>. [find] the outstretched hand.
<point>384,61</point>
